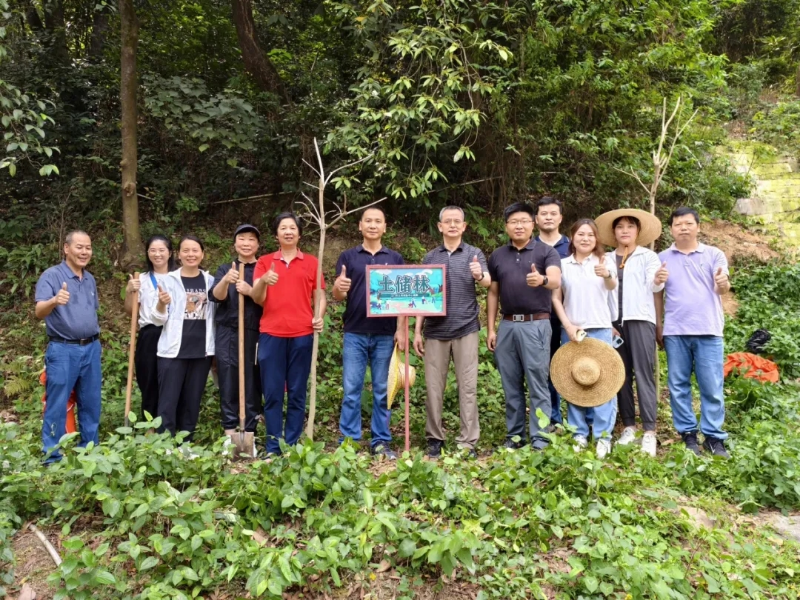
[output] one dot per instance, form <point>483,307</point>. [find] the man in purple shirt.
<point>692,333</point>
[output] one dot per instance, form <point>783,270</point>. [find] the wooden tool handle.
<point>241,352</point>
<point>131,353</point>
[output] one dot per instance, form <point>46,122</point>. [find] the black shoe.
<point>539,444</point>
<point>716,446</point>
<point>435,448</point>
<point>512,445</point>
<point>690,439</point>
<point>381,449</point>
<point>468,452</point>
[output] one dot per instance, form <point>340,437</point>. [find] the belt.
<point>83,342</point>
<point>522,318</point>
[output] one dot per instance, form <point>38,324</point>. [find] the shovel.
<point>242,440</point>
<point>131,353</point>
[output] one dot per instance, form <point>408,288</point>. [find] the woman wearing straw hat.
<point>586,304</point>
<point>640,275</point>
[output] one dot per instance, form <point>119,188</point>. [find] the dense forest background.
<point>473,103</point>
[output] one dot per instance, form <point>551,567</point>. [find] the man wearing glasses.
<point>455,333</point>
<point>523,272</point>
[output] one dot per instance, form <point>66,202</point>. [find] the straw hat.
<point>397,376</point>
<point>649,232</point>
<point>587,373</point>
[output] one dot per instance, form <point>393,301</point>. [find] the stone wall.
<point>775,198</point>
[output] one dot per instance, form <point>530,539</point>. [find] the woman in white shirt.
<point>640,275</point>
<point>186,345</point>
<point>159,259</point>
<point>586,301</point>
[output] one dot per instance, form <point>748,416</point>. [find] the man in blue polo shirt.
<point>66,298</point>
<point>549,214</point>
<point>367,341</point>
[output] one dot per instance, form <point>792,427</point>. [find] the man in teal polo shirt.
<point>66,298</point>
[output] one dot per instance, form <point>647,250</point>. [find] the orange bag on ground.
<point>73,400</point>
<point>754,367</point>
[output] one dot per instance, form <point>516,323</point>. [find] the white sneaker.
<point>649,443</point>
<point>580,443</point>
<point>603,448</point>
<point>628,436</point>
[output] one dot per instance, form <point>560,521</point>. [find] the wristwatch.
<point>545,280</point>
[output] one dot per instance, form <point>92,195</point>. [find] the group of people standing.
<point>542,292</point>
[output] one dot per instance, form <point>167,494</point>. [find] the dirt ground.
<point>33,564</point>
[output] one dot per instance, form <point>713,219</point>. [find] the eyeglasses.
<point>452,222</point>
<point>522,222</point>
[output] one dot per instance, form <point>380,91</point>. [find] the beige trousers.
<point>437,363</point>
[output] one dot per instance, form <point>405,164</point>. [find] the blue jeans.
<point>601,418</point>
<point>285,364</point>
<point>703,355</point>
<point>361,350</point>
<point>69,367</point>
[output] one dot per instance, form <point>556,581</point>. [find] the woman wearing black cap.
<point>225,293</point>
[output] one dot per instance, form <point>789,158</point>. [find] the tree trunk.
<point>255,61</point>
<point>797,82</point>
<point>129,29</point>
<point>56,30</point>
<point>99,31</point>
<point>312,407</point>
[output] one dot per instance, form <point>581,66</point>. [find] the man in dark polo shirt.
<point>457,332</point>
<point>367,341</point>
<point>66,298</point>
<point>523,273</point>
<point>549,214</point>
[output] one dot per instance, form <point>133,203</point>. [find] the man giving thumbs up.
<point>692,332</point>
<point>66,298</point>
<point>456,333</point>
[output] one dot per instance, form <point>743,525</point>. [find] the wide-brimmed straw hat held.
<point>587,373</point>
<point>649,231</point>
<point>397,376</point>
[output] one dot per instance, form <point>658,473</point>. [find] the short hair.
<point>73,233</point>
<point>682,211</point>
<point>287,215</point>
<point>518,207</point>
<point>598,247</point>
<point>548,200</point>
<point>629,219</point>
<point>452,207</point>
<point>376,207</point>
<point>159,238</point>
<point>191,238</point>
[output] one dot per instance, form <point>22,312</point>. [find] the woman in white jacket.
<point>186,345</point>
<point>640,275</point>
<point>159,259</point>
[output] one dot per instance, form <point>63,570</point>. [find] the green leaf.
<point>407,548</point>
<point>148,563</point>
<point>105,577</point>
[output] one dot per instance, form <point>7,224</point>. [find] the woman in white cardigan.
<point>159,259</point>
<point>640,275</point>
<point>186,345</point>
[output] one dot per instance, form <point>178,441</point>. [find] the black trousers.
<point>181,382</point>
<point>638,353</point>
<point>227,353</point>
<point>146,363</point>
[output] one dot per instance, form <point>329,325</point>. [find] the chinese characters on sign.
<point>406,290</point>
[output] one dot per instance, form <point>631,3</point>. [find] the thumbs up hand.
<point>343,282</point>
<point>232,276</point>
<point>62,297</point>
<point>662,274</point>
<point>163,299</point>
<point>475,268</point>
<point>270,277</point>
<point>721,279</point>
<point>601,270</point>
<point>534,278</point>
<point>134,285</point>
